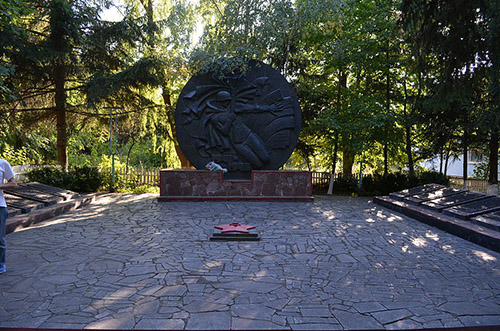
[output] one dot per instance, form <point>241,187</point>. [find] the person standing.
<point>6,182</point>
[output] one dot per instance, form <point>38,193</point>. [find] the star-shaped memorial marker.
<point>234,227</point>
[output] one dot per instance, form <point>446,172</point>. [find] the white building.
<point>455,166</point>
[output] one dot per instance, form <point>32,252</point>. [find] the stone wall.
<point>264,184</point>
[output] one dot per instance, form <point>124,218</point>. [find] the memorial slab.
<point>432,195</point>
<point>57,191</point>
<point>31,193</point>
<point>415,191</point>
<point>453,200</point>
<point>489,220</point>
<point>23,204</point>
<point>463,228</point>
<point>475,208</point>
<point>13,211</point>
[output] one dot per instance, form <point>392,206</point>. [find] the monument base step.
<point>199,185</point>
<point>225,197</point>
<point>31,203</point>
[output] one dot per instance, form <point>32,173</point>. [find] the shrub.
<point>84,179</point>
<point>428,177</point>
<point>377,184</point>
<point>146,188</point>
<point>77,178</point>
<point>384,184</point>
<point>49,175</point>
<point>345,185</point>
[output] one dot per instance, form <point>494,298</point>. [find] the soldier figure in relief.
<point>231,131</point>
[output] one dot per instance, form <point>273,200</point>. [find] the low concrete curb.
<point>39,215</point>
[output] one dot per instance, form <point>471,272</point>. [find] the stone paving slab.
<point>341,263</point>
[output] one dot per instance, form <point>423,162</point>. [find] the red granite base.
<point>189,184</point>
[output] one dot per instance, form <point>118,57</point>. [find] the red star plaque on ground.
<point>235,231</point>
<point>234,227</point>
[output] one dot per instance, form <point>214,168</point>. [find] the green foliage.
<point>410,78</point>
<point>481,171</point>
<point>25,148</point>
<point>384,184</point>
<point>49,175</point>
<point>84,179</point>
<point>345,185</point>
<point>139,189</point>
<point>77,178</point>
<point>15,156</point>
<point>378,184</point>
<point>455,47</point>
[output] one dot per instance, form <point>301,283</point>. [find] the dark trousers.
<point>3,225</point>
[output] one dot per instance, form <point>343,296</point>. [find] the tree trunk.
<point>334,165</point>
<point>171,122</point>
<point>388,109</point>
<point>185,164</point>
<point>347,162</point>
<point>59,17</point>
<point>411,166</point>
<point>465,160</point>
<point>128,154</point>
<point>342,83</point>
<point>60,102</point>
<point>441,161</point>
<point>447,159</point>
<point>493,173</point>
<point>386,164</point>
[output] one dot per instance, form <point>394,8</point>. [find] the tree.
<point>64,65</point>
<point>170,29</point>
<point>459,37</point>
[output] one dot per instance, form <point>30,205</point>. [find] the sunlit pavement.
<point>130,262</point>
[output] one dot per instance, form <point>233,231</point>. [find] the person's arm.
<point>11,183</point>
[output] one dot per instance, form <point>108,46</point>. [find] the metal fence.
<point>140,176</point>
<point>320,180</point>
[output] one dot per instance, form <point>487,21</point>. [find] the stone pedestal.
<point>189,184</point>
<point>493,189</point>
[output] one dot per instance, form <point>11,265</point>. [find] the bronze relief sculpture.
<point>244,121</point>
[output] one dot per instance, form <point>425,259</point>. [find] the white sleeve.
<point>8,172</point>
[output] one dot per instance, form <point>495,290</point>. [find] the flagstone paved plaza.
<point>342,263</point>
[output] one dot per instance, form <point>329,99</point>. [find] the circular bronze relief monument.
<point>247,121</point>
